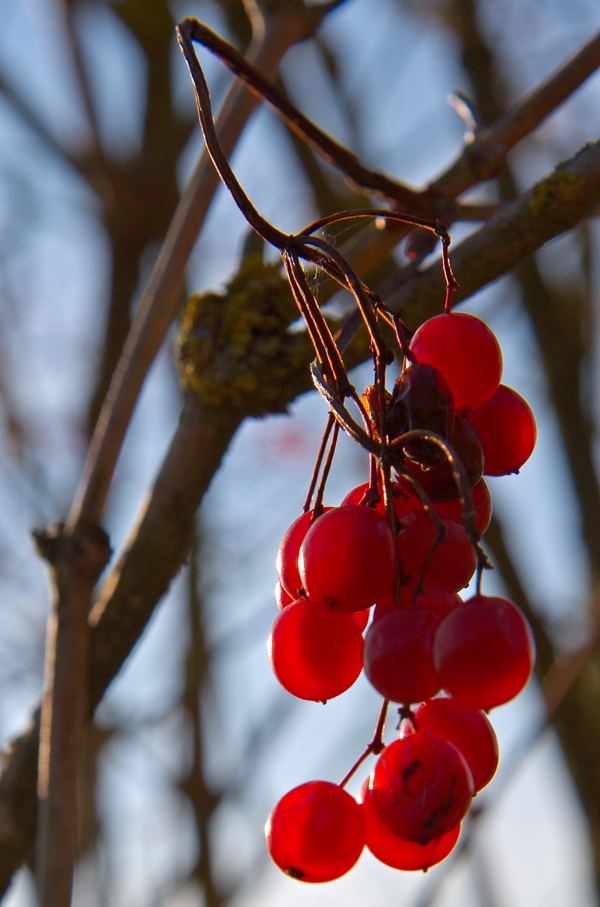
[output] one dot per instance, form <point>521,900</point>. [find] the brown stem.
<point>75,564</point>
<point>323,342</point>
<point>340,412</point>
<point>375,746</point>
<point>352,282</point>
<point>187,31</point>
<point>329,149</point>
<point>327,468</point>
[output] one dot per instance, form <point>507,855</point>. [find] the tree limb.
<point>553,206</point>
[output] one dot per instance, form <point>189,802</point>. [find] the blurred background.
<point>195,741</point>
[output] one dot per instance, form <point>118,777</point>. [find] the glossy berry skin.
<point>421,787</point>
<point>482,505</point>
<point>404,501</point>
<point>466,353</point>
<point>288,551</point>
<point>484,652</point>
<point>315,654</point>
<point>453,561</point>
<point>361,618</point>
<point>282,598</point>
<point>399,853</point>
<point>398,655</point>
<point>347,559</point>
<point>316,833</point>
<point>438,601</point>
<point>507,431</point>
<point>437,478</point>
<point>468,729</point>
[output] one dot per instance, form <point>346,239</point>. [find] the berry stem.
<point>450,279</point>
<point>327,468</point>
<point>458,473</point>
<point>375,746</point>
<point>318,461</point>
<point>318,329</point>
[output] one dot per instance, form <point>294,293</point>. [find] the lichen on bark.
<point>235,349</point>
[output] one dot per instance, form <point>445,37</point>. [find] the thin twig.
<point>482,158</point>
<point>66,10</point>
<point>554,205</point>
<point>161,299</point>
<point>375,746</point>
<point>318,461</point>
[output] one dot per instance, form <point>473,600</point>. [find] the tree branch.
<point>161,299</point>
<point>66,11</point>
<point>482,158</point>
<point>553,206</point>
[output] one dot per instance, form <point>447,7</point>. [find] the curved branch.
<point>161,299</point>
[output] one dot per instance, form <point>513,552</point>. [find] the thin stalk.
<point>319,459</point>
<point>327,468</point>
<point>375,746</point>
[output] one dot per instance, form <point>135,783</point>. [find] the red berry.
<point>398,655</point>
<point>507,431</point>
<point>282,598</point>
<point>315,654</point>
<point>468,729</point>
<point>466,353</point>
<point>287,553</point>
<point>482,505</point>
<point>438,601</point>
<point>361,618</point>
<point>399,852</point>
<point>421,787</point>
<point>347,560</point>
<point>449,565</point>
<point>484,652</point>
<point>316,833</point>
<point>404,500</point>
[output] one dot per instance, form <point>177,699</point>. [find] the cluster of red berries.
<point>392,559</point>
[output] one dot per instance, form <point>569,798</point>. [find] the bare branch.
<point>482,158</point>
<point>553,206</point>
<point>66,9</point>
<point>161,299</point>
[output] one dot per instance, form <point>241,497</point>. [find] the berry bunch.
<point>398,549</point>
<point>391,560</point>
